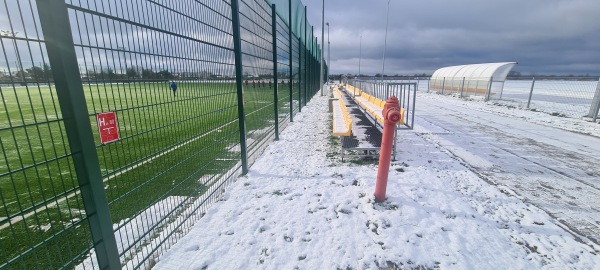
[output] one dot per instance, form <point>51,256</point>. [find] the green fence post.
<point>237,47</point>
<point>300,84</point>
<point>315,66</point>
<point>313,69</point>
<point>310,68</point>
<point>316,69</point>
<point>309,73</point>
<point>309,85</point>
<point>54,19</point>
<point>276,88</point>
<point>320,67</point>
<point>291,84</point>
<point>306,63</point>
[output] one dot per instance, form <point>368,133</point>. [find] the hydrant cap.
<point>393,115</point>
<point>391,110</point>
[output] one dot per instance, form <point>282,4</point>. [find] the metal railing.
<point>405,92</point>
<point>198,90</point>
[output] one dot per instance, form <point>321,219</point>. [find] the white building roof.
<point>493,71</point>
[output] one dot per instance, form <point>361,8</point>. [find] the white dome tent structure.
<point>477,79</point>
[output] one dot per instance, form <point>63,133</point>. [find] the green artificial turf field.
<point>167,143</point>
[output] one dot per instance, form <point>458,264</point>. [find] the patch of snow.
<point>46,227</point>
<point>296,208</point>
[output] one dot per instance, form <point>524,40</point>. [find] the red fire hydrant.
<point>391,116</point>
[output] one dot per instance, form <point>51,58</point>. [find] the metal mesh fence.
<point>257,56</point>
<point>297,75</point>
<point>175,141</point>
<point>41,217</point>
<point>570,98</point>
<point>283,70</point>
<point>560,96</point>
<point>302,73</point>
<point>159,79</point>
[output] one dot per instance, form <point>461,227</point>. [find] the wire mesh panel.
<point>303,73</point>
<point>165,68</point>
<point>283,70</point>
<point>307,73</point>
<point>42,222</point>
<point>296,71</point>
<point>257,52</point>
<point>156,85</point>
<point>570,98</point>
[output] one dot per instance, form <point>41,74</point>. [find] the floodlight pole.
<point>328,53</point>
<point>385,39</point>
<point>320,73</point>
<point>359,55</point>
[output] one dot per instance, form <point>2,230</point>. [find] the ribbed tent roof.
<point>494,71</point>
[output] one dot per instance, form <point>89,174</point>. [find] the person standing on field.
<point>174,88</point>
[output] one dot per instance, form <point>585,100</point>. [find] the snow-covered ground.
<point>548,161</point>
<point>451,203</point>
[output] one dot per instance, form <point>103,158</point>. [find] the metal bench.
<point>364,138</point>
<point>372,106</point>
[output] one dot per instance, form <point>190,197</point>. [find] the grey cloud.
<point>544,36</point>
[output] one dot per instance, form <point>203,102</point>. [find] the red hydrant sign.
<point>107,127</point>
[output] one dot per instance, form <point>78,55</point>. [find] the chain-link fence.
<point>122,121</point>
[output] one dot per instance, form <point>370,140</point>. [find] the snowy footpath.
<point>300,207</point>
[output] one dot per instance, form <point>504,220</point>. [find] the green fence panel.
<point>301,74</point>
<point>54,19</point>
<point>291,38</point>
<point>43,222</point>
<point>283,72</point>
<point>296,74</point>
<point>167,70</point>
<point>275,71</point>
<point>185,113</point>
<point>257,54</point>
<point>239,71</point>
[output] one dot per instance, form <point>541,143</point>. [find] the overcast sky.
<point>543,36</point>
